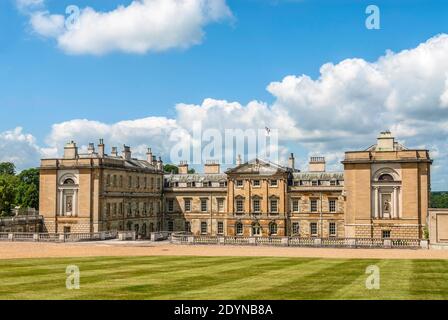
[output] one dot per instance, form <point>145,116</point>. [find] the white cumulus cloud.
<point>142,26</point>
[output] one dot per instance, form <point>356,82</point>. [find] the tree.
<point>191,171</point>
<point>7,193</point>
<point>27,191</point>
<point>171,168</point>
<point>439,200</point>
<point>7,168</point>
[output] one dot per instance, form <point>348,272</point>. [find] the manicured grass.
<point>222,278</point>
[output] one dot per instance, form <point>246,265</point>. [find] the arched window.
<point>239,228</point>
<point>273,229</point>
<point>69,181</point>
<point>385,177</point>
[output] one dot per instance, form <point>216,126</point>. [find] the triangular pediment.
<point>259,167</point>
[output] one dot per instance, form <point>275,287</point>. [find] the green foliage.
<point>191,171</point>
<point>18,190</point>
<point>425,232</point>
<point>439,200</point>
<point>7,193</point>
<point>7,168</point>
<point>171,168</point>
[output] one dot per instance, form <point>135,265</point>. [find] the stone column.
<point>376,202</point>
<point>61,201</point>
<point>75,203</point>
<point>395,202</point>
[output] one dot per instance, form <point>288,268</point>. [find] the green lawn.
<point>222,278</point>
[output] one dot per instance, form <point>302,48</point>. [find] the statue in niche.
<point>386,207</point>
<point>69,204</point>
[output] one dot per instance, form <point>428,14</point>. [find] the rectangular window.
<point>220,205</point>
<point>187,205</point>
<point>204,205</point>
<point>274,205</point>
<point>386,234</point>
<point>170,226</point>
<point>256,205</point>
<point>274,183</point>
<point>314,183</point>
<point>333,182</point>
<point>295,205</point>
<point>223,184</point>
<point>239,205</point>
<point>220,227</point>
<point>170,205</point>
<point>239,228</point>
<point>203,227</point>
<point>332,229</point>
<point>187,226</point>
<point>332,205</point>
<point>295,228</point>
<point>313,229</point>
<point>313,205</point>
<point>129,182</point>
<point>256,183</point>
<point>239,183</point>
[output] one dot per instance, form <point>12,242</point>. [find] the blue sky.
<point>237,58</point>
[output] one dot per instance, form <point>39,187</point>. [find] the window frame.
<point>271,201</point>
<point>204,201</point>
<point>204,223</point>
<point>332,229</point>
<point>220,227</point>
<point>316,201</point>
<point>187,201</point>
<point>334,202</point>
<point>242,205</point>
<point>314,234</point>
<point>239,225</point>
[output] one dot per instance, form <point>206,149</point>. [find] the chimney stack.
<point>114,152</point>
<point>91,148</point>
<point>291,162</point>
<point>101,148</point>
<point>212,167</point>
<point>126,153</point>
<point>183,167</point>
<point>385,142</point>
<point>71,150</point>
<point>317,164</point>
<point>149,156</point>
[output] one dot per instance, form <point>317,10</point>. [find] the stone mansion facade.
<point>383,192</point>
